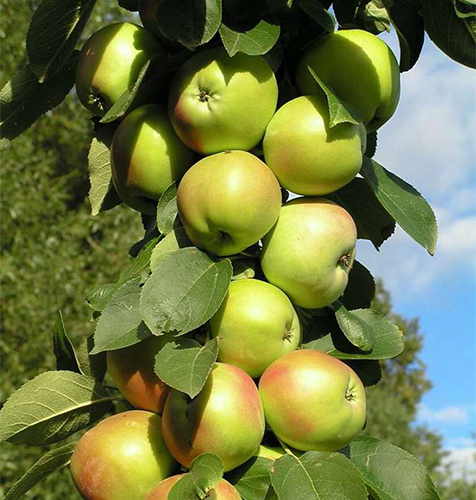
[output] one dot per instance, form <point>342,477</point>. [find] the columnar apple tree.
<point>239,340</point>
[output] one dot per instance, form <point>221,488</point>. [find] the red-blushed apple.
<point>228,202</point>
<point>218,102</point>
<point>132,370</point>
<point>256,324</point>
<point>121,458</point>
<point>224,490</point>
<point>306,155</point>
<point>147,156</point>
<point>313,401</point>
<point>361,70</point>
<point>110,63</point>
<point>226,418</point>
<point>310,251</point>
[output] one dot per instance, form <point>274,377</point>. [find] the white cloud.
<point>454,415</point>
<point>461,462</point>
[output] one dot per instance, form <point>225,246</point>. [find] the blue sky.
<point>431,143</point>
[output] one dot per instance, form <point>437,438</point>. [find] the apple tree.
<point>241,331</point>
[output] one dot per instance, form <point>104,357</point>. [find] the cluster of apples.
<point>220,108</point>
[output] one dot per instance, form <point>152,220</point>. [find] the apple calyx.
<point>349,395</point>
<point>204,96</point>
<point>346,261</point>
<point>98,99</point>
<point>288,334</point>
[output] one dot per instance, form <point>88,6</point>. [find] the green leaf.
<point>391,473</point>
<point>99,297</point>
<point>102,194</point>
<point>339,112</point>
<point>51,407</point>
<point>317,476</point>
<point>185,365</point>
<point>368,370</point>
<point>184,291</point>
<point>189,22</point>
<point>252,479</point>
<point>319,13</point>
<point>130,5</point>
<point>325,335</point>
<point>254,40</point>
<point>374,16</point>
<point>373,222</point>
<point>408,23</point>
<point>120,324</point>
<point>357,331</point>
<point>93,365</point>
<point>404,203</point>
<point>23,99</point>
<point>360,290</point>
<point>454,35</point>
<point>63,348</point>
<point>184,489</point>
<point>139,267</point>
<point>207,472</point>
<point>54,31</point>
<point>48,463</point>
<point>167,211</point>
<point>171,243</point>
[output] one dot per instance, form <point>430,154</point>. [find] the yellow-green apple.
<point>256,324</point>
<point>132,370</point>
<point>218,102</point>
<point>147,156</point>
<point>226,418</point>
<point>310,251</point>
<point>228,202</point>
<point>361,70</point>
<point>110,63</point>
<point>305,154</point>
<point>121,458</point>
<point>313,401</point>
<point>224,490</point>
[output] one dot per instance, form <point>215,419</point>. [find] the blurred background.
<point>54,252</point>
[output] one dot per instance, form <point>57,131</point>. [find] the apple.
<point>310,251</point>
<point>224,490</point>
<point>147,156</point>
<point>313,401</point>
<point>226,418</point>
<point>218,102</point>
<point>256,324</point>
<point>361,70</point>
<point>228,201</point>
<point>121,458</point>
<point>132,370</point>
<point>305,154</point>
<point>110,63</point>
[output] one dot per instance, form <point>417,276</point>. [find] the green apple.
<point>313,401</point>
<point>310,251</point>
<point>121,458</point>
<point>218,102</point>
<point>147,156</point>
<point>226,418</point>
<point>132,370</point>
<point>305,154</point>
<point>110,63</point>
<point>224,490</point>
<point>256,324</point>
<point>360,68</point>
<point>228,202</point>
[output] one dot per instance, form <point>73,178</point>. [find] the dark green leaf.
<point>190,22</point>
<point>339,112</point>
<point>51,407</point>
<point>130,5</point>
<point>360,290</point>
<point>454,35</point>
<point>171,243</point>
<point>185,365</point>
<point>252,479</point>
<point>391,473</point>
<point>99,297</point>
<point>368,370</point>
<point>372,141</point>
<point>139,267</point>
<point>63,348</point>
<point>254,40</point>
<point>357,331</point>
<point>167,211</point>
<point>54,31</point>
<point>319,13</point>
<point>184,291</point>
<point>48,463</point>
<point>317,475</point>
<point>23,99</point>
<point>404,203</point>
<point>93,365</point>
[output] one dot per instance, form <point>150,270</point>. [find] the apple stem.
<point>285,447</point>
